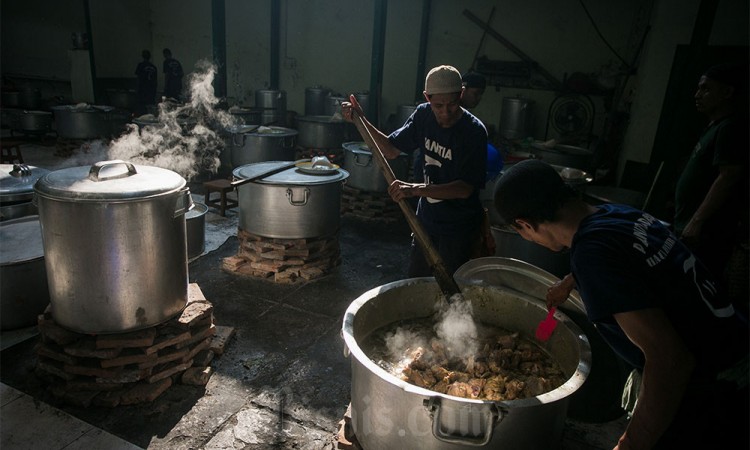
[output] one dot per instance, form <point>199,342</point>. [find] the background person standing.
<point>145,73</point>
<point>172,76</point>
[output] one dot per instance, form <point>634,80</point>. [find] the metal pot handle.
<point>184,202</point>
<point>492,418</point>
<point>290,197</point>
<point>96,168</point>
<point>356,159</point>
<point>234,139</point>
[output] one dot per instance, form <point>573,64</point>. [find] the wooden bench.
<point>10,152</point>
<point>223,187</point>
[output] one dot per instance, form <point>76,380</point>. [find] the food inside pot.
<point>506,367</point>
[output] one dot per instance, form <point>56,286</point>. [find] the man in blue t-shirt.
<point>454,145</point>
<point>652,301</point>
<point>172,76</point>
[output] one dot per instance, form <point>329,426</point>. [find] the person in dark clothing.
<point>711,196</point>
<point>454,144</point>
<point>145,73</point>
<point>172,76</point>
<point>652,301</point>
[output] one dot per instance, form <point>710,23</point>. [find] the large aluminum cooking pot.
<point>516,118</point>
<point>114,245</point>
<point>122,98</point>
<point>315,100</point>
<point>195,226</point>
<point>320,132</point>
<point>251,144</point>
<point>363,169</point>
<point>23,279</point>
<point>247,116</point>
<point>81,121</point>
<point>403,113</point>
<point>564,155</point>
<point>17,190</point>
<point>598,400</point>
<point>33,122</point>
<point>390,413</point>
<point>291,204</point>
<point>270,99</point>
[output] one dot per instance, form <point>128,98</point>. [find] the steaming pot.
<point>390,413</point>
<point>252,144</point>
<point>291,204</point>
<point>84,122</point>
<point>364,171</point>
<point>320,132</point>
<point>114,245</point>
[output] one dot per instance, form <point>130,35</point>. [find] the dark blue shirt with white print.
<point>450,154</point>
<point>625,260</point>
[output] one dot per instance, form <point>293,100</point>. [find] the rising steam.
<point>183,139</point>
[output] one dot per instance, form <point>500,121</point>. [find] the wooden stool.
<point>10,152</point>
<point>221,186</point>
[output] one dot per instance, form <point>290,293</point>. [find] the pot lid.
<point>22,240</point>
<point>357,147</point>
<point>291,176</point>
<point>262,131</point>
<point>109,180</point>
<point>83,107</point>
<point>17,181</point>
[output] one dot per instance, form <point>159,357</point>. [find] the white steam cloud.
<point>185,138</point>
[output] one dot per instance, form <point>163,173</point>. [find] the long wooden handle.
<point>273,171</point>
<point>444,280</point>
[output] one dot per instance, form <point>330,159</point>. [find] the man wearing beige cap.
<point>454,145</point>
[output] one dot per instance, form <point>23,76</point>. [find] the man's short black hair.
<point>532,190</point>
<point>167,52</point>
<point>146,54</point>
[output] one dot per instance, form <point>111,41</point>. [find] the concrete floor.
<point>283,381</point>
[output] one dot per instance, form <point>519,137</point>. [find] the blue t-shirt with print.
<point>450,154</point>
<point>625,260</point>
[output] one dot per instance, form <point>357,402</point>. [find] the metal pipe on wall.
<point>94,84</point>
<point>275,43</point>
<point>219,44</point>
<point>378,56</point>
<point>423,35</point>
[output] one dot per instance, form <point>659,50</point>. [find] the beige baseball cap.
<point>443,80</point>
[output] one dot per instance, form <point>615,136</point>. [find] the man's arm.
<point>389,150</point>
<point>725,183</point>
<point>667,370</point>
<point>446,191</point>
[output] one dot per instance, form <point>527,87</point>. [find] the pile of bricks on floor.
<point>376,206</point>
<point>284,260</point>
<point>131,367</point>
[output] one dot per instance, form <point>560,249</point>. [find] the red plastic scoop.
<point>547,326</point>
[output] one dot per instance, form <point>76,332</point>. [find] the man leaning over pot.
<point>652,301</point>
<point>454,144</point>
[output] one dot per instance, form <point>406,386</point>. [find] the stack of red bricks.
<point>345,438</point>
<point>377,206</point>
<point>284,260</point>
<point>132,367</point>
